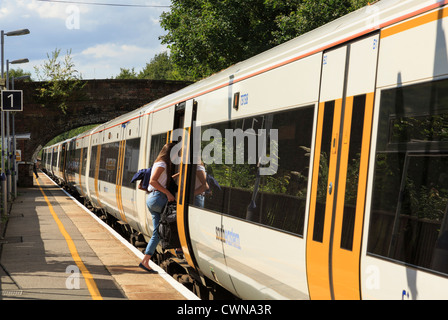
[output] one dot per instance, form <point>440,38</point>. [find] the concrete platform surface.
<point>55,249</point>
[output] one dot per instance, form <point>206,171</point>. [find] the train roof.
<point>363,21</point>
<point>368,19</point>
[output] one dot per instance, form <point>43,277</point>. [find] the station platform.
<point>55,249</point>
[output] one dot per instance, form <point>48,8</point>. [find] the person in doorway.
<point>159,195</point>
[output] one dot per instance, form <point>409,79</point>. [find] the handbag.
<point>169,237</point>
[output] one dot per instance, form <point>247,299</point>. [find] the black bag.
<point>169,237</point>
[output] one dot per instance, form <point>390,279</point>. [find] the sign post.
<point>11,101</point>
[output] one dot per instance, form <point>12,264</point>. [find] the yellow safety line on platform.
<point>91,285</point>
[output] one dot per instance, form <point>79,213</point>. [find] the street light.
<point>2,176</point>
<point>19,61</point>
<point>20,32</point>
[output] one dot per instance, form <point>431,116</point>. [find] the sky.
<point>102,38</point>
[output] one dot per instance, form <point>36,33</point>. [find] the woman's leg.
<point>155,202</point>
<point>152,244</point>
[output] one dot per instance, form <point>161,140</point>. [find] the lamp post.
<point>2,174</point>
<point>11,169</point>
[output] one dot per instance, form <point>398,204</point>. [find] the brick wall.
<point>99,102</point>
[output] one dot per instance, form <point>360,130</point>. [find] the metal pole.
<point>8,142</point>
<point>14,163</point>
<point>2,176</point>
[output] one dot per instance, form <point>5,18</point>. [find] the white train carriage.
<point>329,160</point>
<point>113,158</point>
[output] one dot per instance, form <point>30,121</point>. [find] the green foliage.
<point>206,36</point>
<point>127,74</point>
<point>63,81</point>
<point>301,16</point>
<point>19,72</point>
<point>161,67</point>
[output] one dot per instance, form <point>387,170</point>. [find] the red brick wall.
<point>99,102</point>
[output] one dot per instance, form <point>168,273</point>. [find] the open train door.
<point>340,168</point>
<point>184,118</point>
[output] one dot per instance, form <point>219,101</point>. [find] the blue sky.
<point>102,39</point>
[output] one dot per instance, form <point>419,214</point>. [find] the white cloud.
<point>48,10</point>
<point>4,12</point>
<point>112,50</point>
<point>110,57</point>
<point>104,40</point>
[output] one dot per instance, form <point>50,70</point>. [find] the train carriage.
<point>329,160</point>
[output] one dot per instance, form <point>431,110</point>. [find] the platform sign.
<point>12,100</point>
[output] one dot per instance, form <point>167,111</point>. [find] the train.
<point>329,155</point>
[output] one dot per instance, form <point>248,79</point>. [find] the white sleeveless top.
<point>163,176</point>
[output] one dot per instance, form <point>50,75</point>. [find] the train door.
<point>184,117</point>
<point>340,169</point>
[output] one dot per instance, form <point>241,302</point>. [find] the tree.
<point>206,36</point>
<point>299,17</point>
<point>18,73</point>
<point>160,67</point>
<point>127,74</point>
<point>63,81</point>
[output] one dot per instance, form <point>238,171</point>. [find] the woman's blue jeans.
<point>156,202</point>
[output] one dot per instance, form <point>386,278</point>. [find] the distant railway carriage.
<point>355,205</point>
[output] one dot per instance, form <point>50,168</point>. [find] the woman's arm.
<point>202,179</point>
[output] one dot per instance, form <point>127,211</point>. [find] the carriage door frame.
<point>189,116</point>
<point>342,148</point>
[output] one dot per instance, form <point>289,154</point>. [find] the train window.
<point>54,158</point>
<point>354,158</point>
<point>409,212</point>
<point>131,161</point>
<point>108,162</point>
<point>324,164</point>
<point>72,162</point>
<point>84,160</point>
<point>238,189</point>
<point>93,161</point>
<point>62,157</point>
<point>157,143</point>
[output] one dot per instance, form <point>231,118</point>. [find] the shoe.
<point>146,269</point>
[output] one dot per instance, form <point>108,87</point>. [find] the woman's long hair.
<point>164,155</point>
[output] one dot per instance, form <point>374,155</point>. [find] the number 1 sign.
<point>12,100</point>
